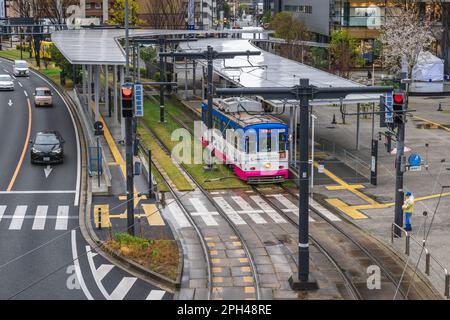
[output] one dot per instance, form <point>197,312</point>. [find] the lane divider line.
<point>76,264</point>
<point>25,92</point>
<point>24,150</point>
<point>20,84</point>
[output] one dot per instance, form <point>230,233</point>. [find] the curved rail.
<point>221,212</point>
<point>192,222</point>
<point>352,289</point>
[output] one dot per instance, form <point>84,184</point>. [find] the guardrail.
<point>357,164</point>
<point>429,258</point>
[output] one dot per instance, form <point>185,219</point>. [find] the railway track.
<point>202,231</point>
<point>360,251</point>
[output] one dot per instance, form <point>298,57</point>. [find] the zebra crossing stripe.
<point>62,218</point>
<point>40,217</point>
<point>230,212</point>
<point>205,214</point>
<point>122,288</point>
<point>290,207</point>
<point>268,209</point>
<point>2,211</point>
<point>324,211</point>
<point>178,215</point>
<point>18,217</point>
<point>103,270</point>
<point>249,210</point>
<point>155,295</point>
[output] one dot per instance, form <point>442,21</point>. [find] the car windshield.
<point>21,65</point>
<point>46,139</point>
<point>41,92</point>
<point>5,77</point>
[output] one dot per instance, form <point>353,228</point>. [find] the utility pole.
<point>129,137</point>
<point>303,93</point>
<point>162,78</point>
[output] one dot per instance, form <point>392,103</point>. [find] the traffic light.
<point>399,106</point>
<point>127,92</point>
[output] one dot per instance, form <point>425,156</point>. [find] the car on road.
<point>47,147</point>
<point>43,97</point>
<point>20,68</point>
<point>6,82</point>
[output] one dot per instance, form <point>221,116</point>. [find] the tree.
<point>404,36</point>
<point>117,13</point>
<point>167,14</point>
<point>344,52</point>
<point>293,31</point>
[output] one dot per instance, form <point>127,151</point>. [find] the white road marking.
<point>61,220</point>
<point>103,270</point>
<point>2,211</point>
<point>178,215</point>
<point>17,220</point>
<point>20,84</point>
<point>90,257</point>
<point>76,264</point>
<point>38,192</point>
<point>25,92</point>
<point>229,211</point>
<point>156,295</point>
<point>324,211</point>
<point>247,209</point>
<point>289,206</point>
<point>77,137</point>
<point>268,209</point>
<point>122,288</point>
<point>40,218</point>
<point>207,216</point>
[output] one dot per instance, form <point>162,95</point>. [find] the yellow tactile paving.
<point>435,124</point>
<point>153,215</point>
<point>243,260</point>
<point>216,269</point>
<point>354,186</point>
<point>105,218</point>
<point>249,290</point>
<point>216,261</point>
<point>248,279</point>
<point>237,243</point>
<point>233,237</point>
<point>245,269</point>
<point>214,252</point>
<point>211,244</point>
<point>217,279</point>
<point>345,208</point>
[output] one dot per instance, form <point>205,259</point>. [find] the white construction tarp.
<point>428,68</point>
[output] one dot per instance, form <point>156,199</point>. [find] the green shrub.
<point>124,239</point>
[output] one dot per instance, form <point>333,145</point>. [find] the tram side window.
<point>265,142</point>
<point>250,145</point>
<point>282,141</point>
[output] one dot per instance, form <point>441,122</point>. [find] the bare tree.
<point>404,36</point>
<point>168,14</point>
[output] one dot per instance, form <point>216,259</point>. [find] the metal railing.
<point>357,164</point>
<point>429,258</point>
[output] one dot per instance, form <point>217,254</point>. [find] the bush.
<point>124,239</point>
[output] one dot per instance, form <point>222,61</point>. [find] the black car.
<point>47,148</point>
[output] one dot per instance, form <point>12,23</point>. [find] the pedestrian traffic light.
<point>127,92</point>
<point>399,106</point>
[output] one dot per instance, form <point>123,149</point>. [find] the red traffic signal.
<point>399,98</point>
<point>127,92</point>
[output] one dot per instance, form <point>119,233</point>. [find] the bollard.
<point>447,284</point>
<point>440,107</point>
<point>407,244</point>
<point>427,262</point>
<point>392,233</point>
<point>334,119</point>
<point>99,219</point>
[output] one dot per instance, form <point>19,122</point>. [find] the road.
<point>43,254</point>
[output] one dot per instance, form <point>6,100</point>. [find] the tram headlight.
<point>267,165</point>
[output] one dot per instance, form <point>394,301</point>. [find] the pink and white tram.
<point>258,151</point>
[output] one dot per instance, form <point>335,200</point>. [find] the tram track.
<point>363,248</point>
<point>238,234</point>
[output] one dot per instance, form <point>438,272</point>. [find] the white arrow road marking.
<point>10,103</point>
<point>47,171</point>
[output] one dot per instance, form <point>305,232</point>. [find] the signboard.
<point>191,14</point>
<point>2,9</point>
<point>138,100</point>
<point>389,103</point>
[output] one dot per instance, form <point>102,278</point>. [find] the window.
<point>88,5</point>
<point>282,141</point>
<point>98,5</point>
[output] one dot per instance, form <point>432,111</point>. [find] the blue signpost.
<point>389,103</point>
<point>138,100</point>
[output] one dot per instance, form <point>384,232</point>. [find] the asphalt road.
<point>43,254</point>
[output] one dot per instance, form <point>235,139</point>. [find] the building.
<point>361,18</point>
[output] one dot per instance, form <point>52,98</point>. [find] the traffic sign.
<point>138,100</point>
<point>389,103</point>
<point>414,160</point>
<point>98,126</point>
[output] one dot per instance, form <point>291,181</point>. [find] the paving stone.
<point>197,273</point>
<point>221,272</point>
<point>278,259</point>
<point>265,268</point>
<point>186,294</point>
<point>278,249</point>
<point>238,253</point>
<point>262,260</point>
<point>243,281</point>
<point>201,294</point>
<point>282,268</point>
<point>197,283</point>
<point>241,271</point>
<point>222,281</point>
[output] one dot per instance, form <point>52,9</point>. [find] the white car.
<point>6,82</point>
<point>20,68</point>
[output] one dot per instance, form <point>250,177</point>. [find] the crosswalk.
<point>237,208</point>
<point>43,217</point>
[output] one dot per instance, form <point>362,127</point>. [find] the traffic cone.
<point>334,119</point>
<point>440,107</point>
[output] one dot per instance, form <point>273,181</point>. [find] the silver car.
<point>20,68</point>
<point>6,82</point>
